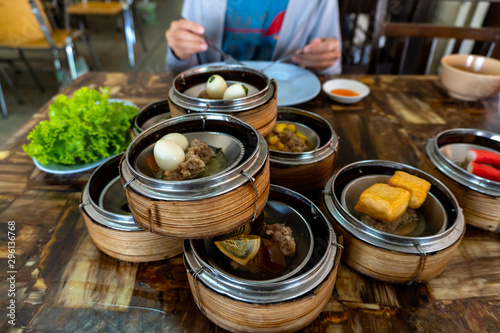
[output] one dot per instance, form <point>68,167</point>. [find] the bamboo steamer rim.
<point>390,266</point>
<point>97,213</point>
<point>411,245</point>
<point>453,171</point>
<point>139,246</point>
<point>195,189</point>
<point>285,316</point>
<point>274,291</point>
<point>329,143</point>
<point>480,210</point>
<point>201,74</point>
<point>151,110</point>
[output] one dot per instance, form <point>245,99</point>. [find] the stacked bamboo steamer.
<point>112,228</point>
<point>305,172</point>
<point>258,109</point>
<point>478,197</point>
<point>384,256</point>
<point>198,210</point>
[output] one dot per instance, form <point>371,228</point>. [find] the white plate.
<point>61,169</point>
<point>295,85</point>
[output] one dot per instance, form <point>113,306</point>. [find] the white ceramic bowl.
<point>470,77</point>
<point>356,86</point>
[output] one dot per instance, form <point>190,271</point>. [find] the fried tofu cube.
<point>383,202</point>
<point>417,186</point>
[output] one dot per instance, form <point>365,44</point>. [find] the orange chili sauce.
<point>344,92</point>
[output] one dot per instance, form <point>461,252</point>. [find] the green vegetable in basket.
<point>81,129</point>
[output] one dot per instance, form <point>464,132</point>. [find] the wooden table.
<point>64,283</point>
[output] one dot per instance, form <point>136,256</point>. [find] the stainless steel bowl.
<point>447,151</point>
<point>232,148</point>
<point>150,115</point>
<point>317,266</point>
<point>275,212</point>
<point>104,199</point>
<point>228,131</point>
<point>188,85</point>
<point>434,219</point>
<point>440,235</point>
<point>323,137</point>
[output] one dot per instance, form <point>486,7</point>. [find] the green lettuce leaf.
<point>81,129</point>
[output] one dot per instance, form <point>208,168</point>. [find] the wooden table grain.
<point>64,283</point>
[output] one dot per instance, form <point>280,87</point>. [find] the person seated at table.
<point>257,30</point>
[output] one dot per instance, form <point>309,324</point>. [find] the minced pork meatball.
<point>291,142</point>
<point>197,154</point>
<point>281,235</point>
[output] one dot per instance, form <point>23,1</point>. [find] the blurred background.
<point>107,36</point>
<point>101,43</point>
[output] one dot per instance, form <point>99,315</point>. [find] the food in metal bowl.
<point>393,207</point>
<point>175,158</point>
<point>260,249</point>
<point>286,137</point>
<point>218,88</point>
<point>483,163</point>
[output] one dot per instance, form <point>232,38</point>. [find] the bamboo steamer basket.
<point>150,115</point>
<point>203,207</point>
<point>259,108</point>
<point>240,305</point>
<point>308,171</point>
<point>112,228</point>
<point>478,197</point>
<point>389,257</point>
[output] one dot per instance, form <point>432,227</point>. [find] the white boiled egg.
<point>216,86</point>
<point>177,138</point>
<point>168,155</point>
<point>236,90</point>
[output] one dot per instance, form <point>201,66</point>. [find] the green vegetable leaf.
<point>81,129</point>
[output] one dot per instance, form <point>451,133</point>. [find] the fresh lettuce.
<point>81,129</point>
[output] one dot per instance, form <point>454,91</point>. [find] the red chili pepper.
<point>484,171</point>
<point>483,156</point>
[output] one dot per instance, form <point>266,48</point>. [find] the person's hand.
<point>318,55</point>
<point>185,38</point>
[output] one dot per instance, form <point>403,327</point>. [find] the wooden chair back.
<point>18,24</point>
<point>487,40</point>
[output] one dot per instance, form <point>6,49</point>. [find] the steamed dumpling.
<point>177,138</point>
<point>236,90</point>
<point>168,155</point>
<point>216,86</point>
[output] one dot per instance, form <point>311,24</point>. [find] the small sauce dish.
<point>345,91</point>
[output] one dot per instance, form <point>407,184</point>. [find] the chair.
<point>357,27</point>
<point>110,8</point>
<point>487,38</point>
<point>24,26</point>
